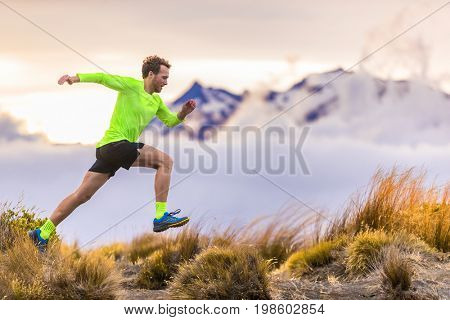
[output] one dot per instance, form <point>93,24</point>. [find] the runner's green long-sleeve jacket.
<point>134,108</point>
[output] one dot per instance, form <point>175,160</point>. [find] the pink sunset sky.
<point>235,45</point>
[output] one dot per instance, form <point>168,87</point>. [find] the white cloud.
<point>12,129</point>
<point>69,115</point>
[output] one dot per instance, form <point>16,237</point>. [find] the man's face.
<point>160,79</point>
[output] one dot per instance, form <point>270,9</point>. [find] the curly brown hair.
<point>153,64</point>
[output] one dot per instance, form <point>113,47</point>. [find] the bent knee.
<point>168,162</point>
<point>165,162</point>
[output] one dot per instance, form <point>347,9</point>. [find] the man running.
<point>137,104</point>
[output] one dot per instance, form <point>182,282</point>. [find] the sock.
<point>161,208</point>
<point>47,228</point>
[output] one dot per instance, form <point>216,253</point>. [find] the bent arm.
<point>168,117</point>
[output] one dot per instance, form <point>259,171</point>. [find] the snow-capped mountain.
<point>354,105</point>
<point>214,107</point>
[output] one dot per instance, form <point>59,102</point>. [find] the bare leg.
<point>151,157</point>
<point>92,181</point>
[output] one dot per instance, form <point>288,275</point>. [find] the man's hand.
<point>68,79</point>
<point>187,108</point>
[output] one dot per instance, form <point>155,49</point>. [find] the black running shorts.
<point>115,155</point>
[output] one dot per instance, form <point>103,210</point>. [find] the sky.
<point>47,131</point>
<point>234,46</point>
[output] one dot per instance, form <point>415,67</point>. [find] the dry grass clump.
<point>188,242</point>
<point>158,268</point>
<point>95,277</point>
<point>396,272</point>
<point>430,221</point>
<point>280,237</point>
<point>411,244</point>
<point>21,272</point>
<point>144,245</point>
<point>70,251</point>
<point>399,202</point>
<point>16,220</point>
<point>92,276</point>
<point>318,255</point>
<point>27,274</point>
<point>364,251</point>
<point>223,273</point>
<point>115,251</point>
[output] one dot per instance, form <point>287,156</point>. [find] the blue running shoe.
<point>168,220</point>
<point>40,243</point>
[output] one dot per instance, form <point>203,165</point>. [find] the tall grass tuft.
<point>115,251</point>
<point>22,272</point>
<point>157,269</point>
<point>95,277</point>
<point>144,245</point>
<point>399,202</point>
<point>364,251</point>
<point>280,236</point>
<point>396,272</point>
<point>306,259</point>
<point>14,221</point>
<point>27,274</point>
<point>223,273</point>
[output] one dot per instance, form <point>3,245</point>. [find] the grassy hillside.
<point>390,242</point>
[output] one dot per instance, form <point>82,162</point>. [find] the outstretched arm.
<point>117,83</point>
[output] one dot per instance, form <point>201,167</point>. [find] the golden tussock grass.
<point>233,272</point>
<point>16,220</point>
<point>157,269</point>
<point>281,235</point>
<point>27,274</point>
<point>396,272</point>
<point>364,251</point>
<point>399,202</point>
<point>115,251</point>
<point>63,272</point>
<point>318,255</point>
<point>143,246</point>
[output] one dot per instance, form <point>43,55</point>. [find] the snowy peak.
<point>214,107</point>
<point>352,105</point>
<point>205,96</point>
<point>194,92</point>
<point>356,105</point>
